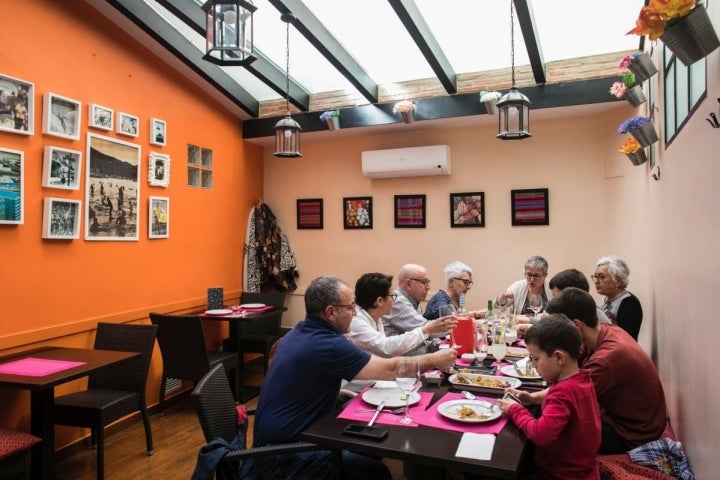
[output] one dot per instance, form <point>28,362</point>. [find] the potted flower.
<point>640,64</point>
<point>628,89</point>
<point>641,128</point>
<point>682,25</point>
<point>331,119</point>
<point>406,109</point>
<point>490,99</point>
<point>634,151</point>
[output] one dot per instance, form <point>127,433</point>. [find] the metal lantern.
<point>514,116</point>
<point>229,32</point>
<point>287,130</point>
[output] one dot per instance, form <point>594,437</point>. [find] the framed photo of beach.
<point>61,218</point>
<point>12,179</point>
<point>159,217</point>
<point>17,105</point>
<point>61,116</point>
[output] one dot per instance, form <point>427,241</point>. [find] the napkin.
<point>385,384</point>
<point>476,445</point>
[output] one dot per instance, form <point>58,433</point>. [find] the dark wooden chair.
<point>15,453</point>
<point>184,352</point>
<point>259,335</point>
<point>114,391</point>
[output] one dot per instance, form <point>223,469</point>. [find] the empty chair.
<point>113,391</point>
<point>259,335</point>
<point>184,353</point>
<point>15,453</point>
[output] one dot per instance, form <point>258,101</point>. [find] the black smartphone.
<point>512,397</point>
<point>360,430</point>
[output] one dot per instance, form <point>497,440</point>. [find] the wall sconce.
<point>513,107</point>
<point>229,32</point>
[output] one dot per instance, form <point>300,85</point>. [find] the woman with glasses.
<point>520,294</point>
<point>622,307</point>
<point>458,280</point>
<point>374,298</point>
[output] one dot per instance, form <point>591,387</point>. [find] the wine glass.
<point>498,349</point>
<point>479,349</point>
<point>407,377</point>
<point>536,303</point>
<point>449,310</point>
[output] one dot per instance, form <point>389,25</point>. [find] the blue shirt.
<point>303,381</point>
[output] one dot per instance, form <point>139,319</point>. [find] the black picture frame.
<point>410,211</point>
<point>467,209</point>
<point>530,207</point>
<point>357,213</point>
<point>309,213</point>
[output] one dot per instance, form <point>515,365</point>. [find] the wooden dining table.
<point>40,370</point>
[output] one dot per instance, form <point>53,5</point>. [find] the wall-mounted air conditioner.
<point>407,162</point>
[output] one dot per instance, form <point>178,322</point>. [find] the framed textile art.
<point>410,211</point>
<point>310,213</point>
<point>530,207</point>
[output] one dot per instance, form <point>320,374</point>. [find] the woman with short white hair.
<point>622,307</point>
<point>458,280</point>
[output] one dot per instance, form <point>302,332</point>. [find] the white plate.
<point>450,410</point>
<point>219,311</point>
<point>513,352</point>
<point>252,305</point>
<point>394,397</point>
<point>505,382</point>
<point>511,371</point>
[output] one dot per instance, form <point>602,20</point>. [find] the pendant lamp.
<point>513,107</point>
<point>287,130</point>
<point>229,32</point>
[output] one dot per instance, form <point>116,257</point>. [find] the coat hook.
<point>656,174</point>
<point>714,122</point>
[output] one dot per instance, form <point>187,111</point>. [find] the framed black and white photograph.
<point>159,169</point>
<point>112,189</point>
<point>100,117</point>
<point>12,178</point>
<point>61,218</point>
<point>467,209</point>
<point>61,116</point>
<point>17,105</point>
<point>61,168</point>
<point>159,216</point>
<point>128,124</point>
<point>158,132</point>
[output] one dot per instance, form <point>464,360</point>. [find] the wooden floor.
<point>177,437</point>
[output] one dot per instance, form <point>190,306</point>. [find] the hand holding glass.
<point>445,311</point>
<point>407,377</point>
<point>536,303</point>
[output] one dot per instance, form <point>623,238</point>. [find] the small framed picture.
<point>100,117</point>
<point>127,124</point>
<point>12,178</point>
<point>61,116</point>
<point>17,105</point>
<point>61,219</point>
<point>310,213</point>
<point>61,168</point>
<point>467,209</point>
<point>530,207</point>
<point>410,211</point>
<point>159,215</point>
<point>158,132</point>
<point>159,169</point>
<point>357,212</point>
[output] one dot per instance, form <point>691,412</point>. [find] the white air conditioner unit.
<point>407,162</point>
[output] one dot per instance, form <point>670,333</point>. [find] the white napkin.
<point>476,445</point>
<point>385,384</point>
<point>522,363</point>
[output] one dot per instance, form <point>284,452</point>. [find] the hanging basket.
<point>333,123</point>
<point>645,135</point>
<point>692,37</point>
<point>642,67</point>
<point>408,117</point>
<point>637,158</point>
<point>635,96</point>
<point>491,107</point>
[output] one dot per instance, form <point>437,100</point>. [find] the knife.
<point>378,409</point>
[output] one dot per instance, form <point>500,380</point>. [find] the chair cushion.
<point>12,442</point>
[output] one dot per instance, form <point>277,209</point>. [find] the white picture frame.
<point>158,169</point>
<point>17,94</point>
<point>61,168</point>
<point>12,178</point>
<point>62,116</point>
<point>128,124</point>
<point>61,218</point>
<point>158,132</point>
<point>100,117</point>
<point>159,217</point>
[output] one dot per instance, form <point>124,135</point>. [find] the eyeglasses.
<point>464,280</point>
<point>530,276</point>
<point>598,278</point>
<point>392,295</point>
<point>352,306</point>
<point>424,281</point>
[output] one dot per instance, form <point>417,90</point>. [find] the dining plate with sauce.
<point>393,397</point>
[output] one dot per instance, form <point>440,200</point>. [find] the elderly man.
<point>304,379</point>
<point>628,388</point>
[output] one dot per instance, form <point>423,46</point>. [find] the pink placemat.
<point>386,418</point>
<point>250,310</point>
<point>431,418</point>
<point>36,367</point>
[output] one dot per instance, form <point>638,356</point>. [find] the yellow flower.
<point>630,146</point>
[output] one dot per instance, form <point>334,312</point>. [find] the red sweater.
<point>567,434</point>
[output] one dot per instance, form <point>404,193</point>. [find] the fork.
<point>394,411</point>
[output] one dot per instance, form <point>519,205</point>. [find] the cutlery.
<point>378,409</point>
<point>485,404</point>
<point>394,411</point>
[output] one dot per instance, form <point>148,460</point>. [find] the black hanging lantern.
<point>287,130</point>
<point>513,107</point>
<point>229,32</point>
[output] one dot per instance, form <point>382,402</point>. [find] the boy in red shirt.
<point>567,434</point>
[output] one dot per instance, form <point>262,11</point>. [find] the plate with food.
<point>252,306</point>
<point>522,373</point>
<point>393,397</point>
<point>218,312</point>
<point>483,383</point>
<point>469,411</point>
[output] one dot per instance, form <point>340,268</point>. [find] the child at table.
<point>567,433</point>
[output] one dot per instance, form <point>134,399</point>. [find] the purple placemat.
<point>431,418</point>
<point>386,418</point>
<point>36,367</point>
